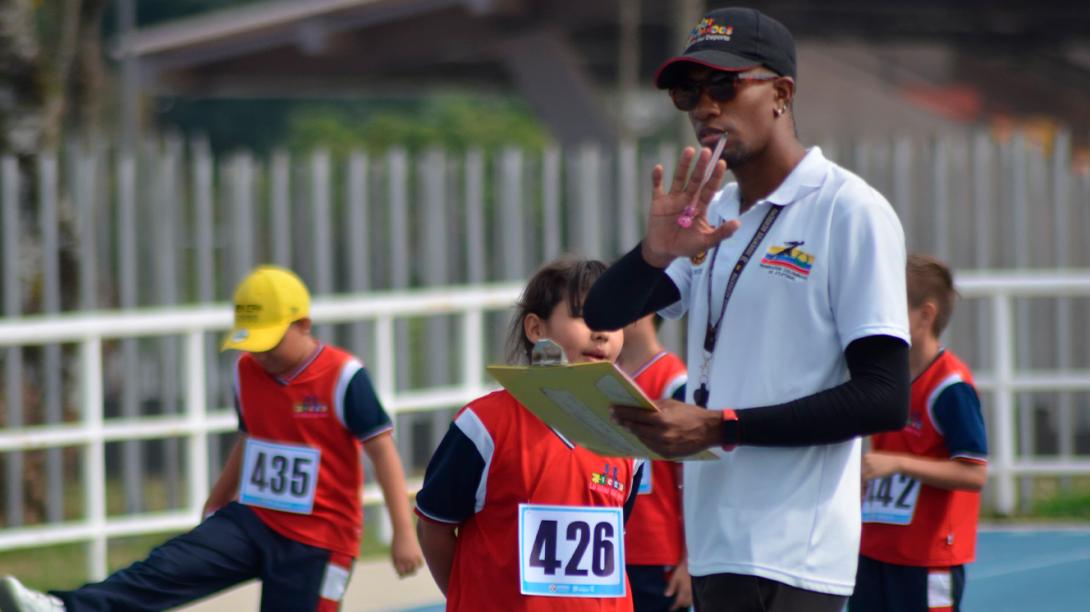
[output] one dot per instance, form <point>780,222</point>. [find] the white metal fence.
<point>196,422</point>
<point>1002,382</point>
<point>91,228</point>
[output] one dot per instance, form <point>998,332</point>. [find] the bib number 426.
<point>543,553</point>
<point>570,551</point>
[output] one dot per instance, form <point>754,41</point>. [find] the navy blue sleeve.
<point>956,413</point>
<point>634,492</point>
<point>364,415</point>
<point>452,480</point>
<point>679,393</point>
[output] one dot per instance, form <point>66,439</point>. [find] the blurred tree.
<point>51,77</point>
<point>454,121</point>
<point>51,71</point>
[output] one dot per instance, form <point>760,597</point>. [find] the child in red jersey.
<point>515,517</point>
<point>655,535</point>
<point>922,483</point>
<point>305,409</point>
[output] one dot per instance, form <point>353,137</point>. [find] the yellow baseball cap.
<point>267,302</point>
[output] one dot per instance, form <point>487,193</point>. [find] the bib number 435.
<point>570,551</point>
<point>279,476</point>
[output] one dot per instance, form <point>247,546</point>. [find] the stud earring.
<point>779,111</point>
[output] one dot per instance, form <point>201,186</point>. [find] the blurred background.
<point>418,159</point>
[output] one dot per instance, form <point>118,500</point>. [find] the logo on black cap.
<point>708,30</point>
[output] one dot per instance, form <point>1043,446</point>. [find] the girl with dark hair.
<point>513,515</point>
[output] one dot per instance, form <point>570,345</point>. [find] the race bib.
<point>279,476</point>
<point>891,500</point>
<point>571,551</point>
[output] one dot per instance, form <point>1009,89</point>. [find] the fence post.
<point>321,226</point>
<point>1003,367</point>
<point>628,199</point>
<point>94,464</point>
<point>512,251</point>
<point>132,451</point>
<point>280,213</point>
<point>13,362</point>
<point>475,232</point>
<point>1065,425</point>
<point>195,408</point>
<point>357,240</point>
<point>51,353</point>
<point>551,187</point>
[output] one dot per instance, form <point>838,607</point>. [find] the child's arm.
<point>404,550</point>
<point>950,474</point>
<point>226,486</point>
<point>439,541</point>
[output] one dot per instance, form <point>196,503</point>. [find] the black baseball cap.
<point>733,40</point>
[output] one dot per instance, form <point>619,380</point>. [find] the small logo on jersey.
<point>788,260</point>
<point>607,482</point>
<point>310,407</point>
<point>915,423</point>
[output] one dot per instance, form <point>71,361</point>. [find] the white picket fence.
<point>1002,382</point>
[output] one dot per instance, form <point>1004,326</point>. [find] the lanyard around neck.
<point>711,330</point>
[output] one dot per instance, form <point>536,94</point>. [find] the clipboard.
<point>574,400</point>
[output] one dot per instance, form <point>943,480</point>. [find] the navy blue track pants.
<point>227,548</point>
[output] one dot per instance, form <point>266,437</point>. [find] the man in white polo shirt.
<point>793,278</point>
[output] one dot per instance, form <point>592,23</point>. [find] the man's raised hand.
<point>666,238</point>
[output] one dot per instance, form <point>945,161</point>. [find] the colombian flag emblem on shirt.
<point>789,260</point>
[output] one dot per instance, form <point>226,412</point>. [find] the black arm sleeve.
<point>630,289</point>
<point>875,399</point>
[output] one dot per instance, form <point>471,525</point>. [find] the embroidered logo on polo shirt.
<point>310,407</point>
<point>788,260</point>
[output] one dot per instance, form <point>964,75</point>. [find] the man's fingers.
<point>682,171</point>
<point>725,230</point>
<point>630,414</point>
<point>656,180</point>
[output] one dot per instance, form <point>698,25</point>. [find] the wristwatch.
<point>728,430</point>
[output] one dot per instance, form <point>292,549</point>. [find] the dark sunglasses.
<point>686,94</point>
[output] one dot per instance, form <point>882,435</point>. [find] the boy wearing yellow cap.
<point>305,410</point>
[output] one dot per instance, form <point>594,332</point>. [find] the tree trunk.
<point>21,100</point>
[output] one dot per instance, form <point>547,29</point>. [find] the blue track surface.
<point>1040,570</point>
<point>1019,570</point>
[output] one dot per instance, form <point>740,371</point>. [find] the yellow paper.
<point>574,399</point>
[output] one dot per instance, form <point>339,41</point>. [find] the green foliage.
<point>1071,505</point>
<point>448,120</point>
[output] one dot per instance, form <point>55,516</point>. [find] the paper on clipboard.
<point>574,399</point>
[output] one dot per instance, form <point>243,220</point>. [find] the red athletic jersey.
<point>655,532</point>
<point>497,455</point>
<point>306,409</point>
<point>942,531</point>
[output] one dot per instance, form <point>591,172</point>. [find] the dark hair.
<point>930,280</point>
<point>559,280</point>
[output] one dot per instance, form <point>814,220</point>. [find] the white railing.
<point>1005,381</point>
<point>89,330</point>
<point>93,431</point>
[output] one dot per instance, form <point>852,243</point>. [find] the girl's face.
<point>573,335</point>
